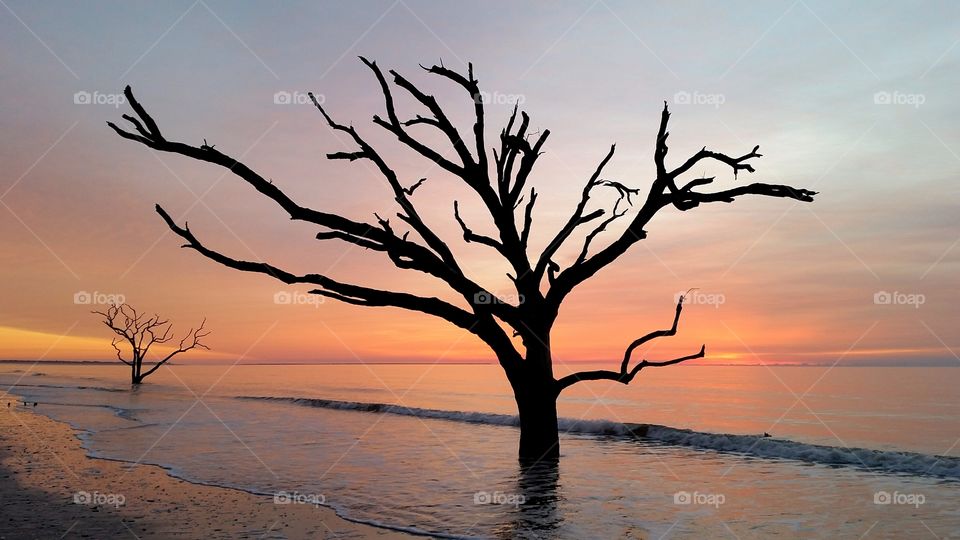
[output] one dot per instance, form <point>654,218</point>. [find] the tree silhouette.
<point>140,332</point>
<point>500,186</point>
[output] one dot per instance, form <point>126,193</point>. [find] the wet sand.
<point>49,488</point>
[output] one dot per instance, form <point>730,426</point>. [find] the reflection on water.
<point>538,515</point>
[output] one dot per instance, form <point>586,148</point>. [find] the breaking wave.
<point>763,446</point>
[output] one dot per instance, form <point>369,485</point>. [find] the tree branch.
<point>447,268</point>
<point>687,199</point>
<point>615,215</point>
<point>153,139</point>
<point>664,192</point>
<point>578,218</point>
<point>472,86</point>
<point>738,164</point>
<point>528,218</point>
<point>366,295</point>
<point>189,342</point>
<point>470,236</point>
<point>395,126</point>
<point>113,343</point>
<point>620,377</point>
<point>626,375</point>
<point>472,172</point>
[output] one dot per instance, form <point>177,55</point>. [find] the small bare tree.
<point>500,185</point>
<point>140,332</point>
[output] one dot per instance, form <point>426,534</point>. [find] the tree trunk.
<point>535,392</point>
<point>135,377</point>
<point>539,439</point>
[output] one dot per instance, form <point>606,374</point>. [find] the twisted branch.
<point>625,375</point>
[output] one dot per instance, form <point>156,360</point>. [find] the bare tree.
<point>140,332</point>
<point>500,186</point>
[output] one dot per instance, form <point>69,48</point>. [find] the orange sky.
<point>788,282</point>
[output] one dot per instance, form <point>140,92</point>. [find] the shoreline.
<point>51,488</point>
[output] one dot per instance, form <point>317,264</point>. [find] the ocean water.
<point>851,452</point>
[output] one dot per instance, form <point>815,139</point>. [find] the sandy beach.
<point>51,489</point>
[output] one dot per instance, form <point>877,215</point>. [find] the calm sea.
<point>851,452</point>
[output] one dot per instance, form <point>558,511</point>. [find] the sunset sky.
<point>852,100</point>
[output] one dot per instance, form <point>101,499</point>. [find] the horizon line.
<point>922,363</point>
